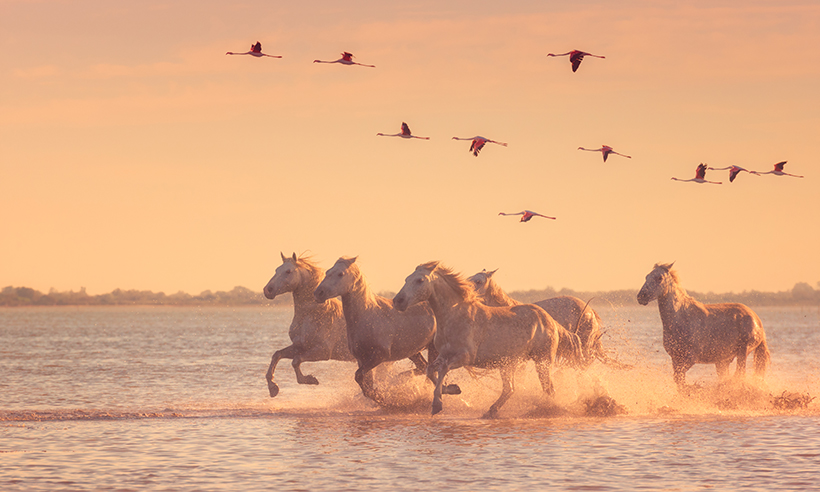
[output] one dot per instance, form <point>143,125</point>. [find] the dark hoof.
<point>309,380</point>
<point>273,388</point>
<point>450,389</point>
<point>490,415</point>
<point>436,407</point>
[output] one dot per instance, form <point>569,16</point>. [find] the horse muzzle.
<point>400,303</point>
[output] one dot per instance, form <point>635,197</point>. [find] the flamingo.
<point>606,150</point>
<point>700,174</point>
<point>256,50</point>
<point>478,143</point>
<point>778,170</point>
<point>346,59</point>
<point>576,57</point>
<point>405,133</point>
<point>733,171</point>
<point>526,215</point>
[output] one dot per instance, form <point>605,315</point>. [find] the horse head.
<point>418,286</point>
<point>338,280</point>
<point>481,281</point>
<point>286,279</point>
<point>658,282</point>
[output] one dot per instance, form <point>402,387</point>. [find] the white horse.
<point>696,333</point>
<point>317,331</point>
<point>570,312</point>
<point>376,332</point>
<point>473,334</point>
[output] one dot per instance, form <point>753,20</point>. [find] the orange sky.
<point>135,154</point>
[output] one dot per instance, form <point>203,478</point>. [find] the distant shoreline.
<point>801,295</point>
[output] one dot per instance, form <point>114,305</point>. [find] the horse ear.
<point>294,257</point>
<point>668,266</point>
<point>283,256</point>
<point>490,274</point>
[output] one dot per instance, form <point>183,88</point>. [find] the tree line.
<point>801,294</point>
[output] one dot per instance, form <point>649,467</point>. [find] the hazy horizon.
<point>137,155</point>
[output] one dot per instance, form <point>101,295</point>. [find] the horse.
<point>473,334</point>
<point>697,333</point>
<point>377,333</point>
<point>570,312</point>
<point>317,331</point>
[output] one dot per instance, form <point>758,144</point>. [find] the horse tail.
<point>570,348</point>
<point>762,358</point>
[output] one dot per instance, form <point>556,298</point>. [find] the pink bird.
<point>606,150</point>
<point>733,171</point>
<point>700,174</point>
<point>346,59</point>
<point>778,170</point>
<point>405,133</point>
<point>576,57</point>
<point>478,143</point>
<point>526,215</point>
<point>256,50</point>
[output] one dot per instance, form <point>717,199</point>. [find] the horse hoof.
<point>451,389</point>
<point>436,407</point>
<point>309,380</point>
<point>273,388</point>
<point>490,415</point>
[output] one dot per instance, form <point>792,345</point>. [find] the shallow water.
<point>175,399</point>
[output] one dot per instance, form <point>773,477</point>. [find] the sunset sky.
<point>135,154</point>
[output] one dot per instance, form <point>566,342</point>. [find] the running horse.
<point>377,333</point>
<point>471,334</point>
<point>317,331</point>
<point>570,312</point>
<point>697,333</point>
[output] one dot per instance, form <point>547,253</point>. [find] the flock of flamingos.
<point>471,322</point>
<point>478,142</point>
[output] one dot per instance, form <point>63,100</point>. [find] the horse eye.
<point>419,280</point>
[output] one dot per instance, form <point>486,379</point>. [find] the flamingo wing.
<point>700,173</point>
<point>779,166</point>
<point>576,57</point>
<point>405,130</point>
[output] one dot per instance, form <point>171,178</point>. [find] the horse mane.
<point>674,282</point>
<point>307,262</point>
<point>460,285</point>
<point>496,294</point>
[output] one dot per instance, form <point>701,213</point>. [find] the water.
<point>175,399</point>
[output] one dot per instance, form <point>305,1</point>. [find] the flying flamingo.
<point>778,170</point>
<point>526,215</point>
<point>576,57</point>
<point>346,59</point>
<point>700,174</point>
<point>405,133</point>
<point>256,50</point>
<point>606,150</point>
<point>478,143</point>
<point>733,171</point>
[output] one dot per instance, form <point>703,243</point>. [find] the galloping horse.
<point>696,333</point>
<point>473,334</point>
<point>570,312</point>
<point>318,328</point>
<point>376,332</point>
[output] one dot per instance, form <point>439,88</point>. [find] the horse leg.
<point>302,378</point>
<point>742,353</point>
<point>288,352</point>
<point>364,377</point>
<point>679,368</point>
<point>542,367</point>
<point>432,355</point>
<point>420,363</point>
<point>507,388</point>
<point>440,368</point>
